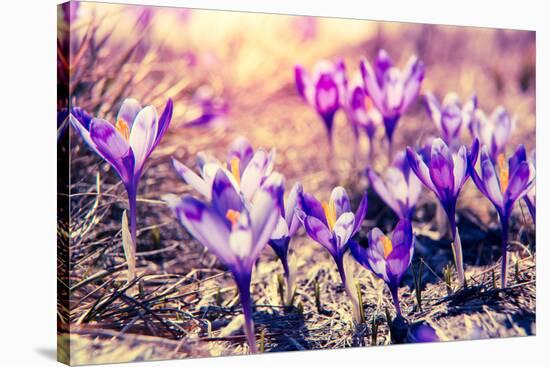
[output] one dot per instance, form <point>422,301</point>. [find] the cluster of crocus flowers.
<point>388,257</point>
<point>332,224</point>
<point>247,171</point>
<point>391,90</point>
<point>444,173</point>
<point>399,188</point>
<point>126,145</point>
<point>450,116</point>
<point>503,183</point>
<point>235,232</point>
<point>324,89</point>
<point>494,131</point>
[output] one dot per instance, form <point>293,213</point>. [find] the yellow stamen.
<point>233,217</point>
<point>504,172</point>
<point>235,169</point>
<point>387,245</point>
<point>123,129</point>
<point>330,213</point>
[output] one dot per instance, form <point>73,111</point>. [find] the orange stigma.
<point>235,169</point>
<point>504,173</point>
<point>233,217</point>
<point>123,129</point>
<point>386,245</point>
<point>368,103</point>
<point>330,213</point>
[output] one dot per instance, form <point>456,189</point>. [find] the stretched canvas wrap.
<point>233,183</point>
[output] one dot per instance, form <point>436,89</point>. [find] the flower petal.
<point>340,198</point>
<point>460,172</point>
<point>343,229</point>
<point>372,86</point>
<point>412,76</point>
<point>242,149</point>
<point>304,84</point>
<point>164,123</point>
<point>264,217</point>
<point>293,202</point>
<point>375,254</point>
<point>434,109</point>
<point>143,135</point>
<point>191,178</point>
<point>206,226</point>
<point>360,214</point>
<point>441,168</point>
<point>490,180</point>
<point>253,174</point>
<point>113,148</point>
<point>224,195</point>
<point>420,169</point>
<point>128,111</point>
<point>382,191</point>
<point>520,183</point>
<point>312,207</point>
<point>319,232</point>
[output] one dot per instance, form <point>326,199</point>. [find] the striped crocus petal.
<point>399,259</point>
<point>420,168</point>
<point>242,150</point>
<point>312,207</point>
<point>320,233</point>
<point>224,195</point>
<point>113,148</point>
<point>382,64</point>
<point>191,178</point>
<point>442,169</point>
<point>128,111</point>
<point>489,179</point>
<point>291,204</point>
<point>372,87</point>
<point>375,254</point>
<point>340,198</point>
<point>343,230</point>
<point>304,84</point>
<point>412,78</point>
<point>393,179</point>
<point>143,134</point>
<point>264,217</point>
<point>206,225</point>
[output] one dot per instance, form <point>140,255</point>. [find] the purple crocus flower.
<point>388,257</point>
<point>494,131</point>
<point>444,173</point>
<point>360,113</point>
<point>324,89</point>
<point>503,183</point>
<point>400,188</point>
<point>231,230</point>
<point>246,168</point>
<point>333,225</point>
<point>127,144</point>
<point>212,110</point>
<point>287,226</point>
<point>530,198</point>
<point>392,91</point>
<point>450,116</point>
